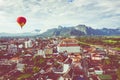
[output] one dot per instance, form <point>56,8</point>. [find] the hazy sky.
<point>46,14</point>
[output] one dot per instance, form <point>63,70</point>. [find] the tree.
<point>118,73</point>
<point>35,69</point>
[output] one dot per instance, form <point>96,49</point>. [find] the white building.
<point>66,68</point>
<point>41,52</point>
<point>69,45</point>
<point>3,47</point>
<point>28,44</point>
<point>20,46</point>
<point>12,49</point>
<point>20,67</point>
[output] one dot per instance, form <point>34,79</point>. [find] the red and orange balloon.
<point>21,21</point>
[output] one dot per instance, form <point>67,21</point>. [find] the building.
<point>96,57</point>
<point>20,67</point>
<point>69,45</point>
<point>15,59</point>
<point>48,50</point>
<point>40,52</point>
<point>3,46</point>
<point>28,44</point>
<point>12,49</point>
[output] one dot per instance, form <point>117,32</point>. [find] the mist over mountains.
<point>79,30</point>
<point>26,34</point>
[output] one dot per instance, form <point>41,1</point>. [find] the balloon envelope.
<point>21,21</point>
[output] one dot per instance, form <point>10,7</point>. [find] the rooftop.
<point>68,42</point>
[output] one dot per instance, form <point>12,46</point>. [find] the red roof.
<point>68,43</point>
<point>15,58</point>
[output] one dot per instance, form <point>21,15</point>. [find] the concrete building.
<point>41,52</point>
<point>69,45</point>
<point>12,49</point>
<point>3,47</point>
<point>20,67</point>
<point>96,57</point>
<point>28,44</point>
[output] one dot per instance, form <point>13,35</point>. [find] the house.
<point>76,58</point>
<point>20,67</point>
<point>40,52</point>
<point>66,68</point>
<point>12,49</point>
<point>6,66</point>
<point>96,57</point>
<point>48,50</point>
<point>15,59</point>
<point>27,55</point>
<point>3,46</point>
<point>69,45</point>
<point>98,70</point>
<point>67,75</point>
<point>77,68</point>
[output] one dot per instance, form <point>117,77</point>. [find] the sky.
<point>47,14</point>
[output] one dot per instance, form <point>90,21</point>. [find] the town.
<point>56,58</point>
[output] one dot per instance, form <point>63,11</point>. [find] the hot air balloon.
<point>21,21</point>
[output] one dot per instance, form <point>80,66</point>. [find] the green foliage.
<point>100,40</point>
<point>117,48</point>
<point>35,69</point>
<point>38,60</point>
<point>56,64</point>
<point>105,77</point>
<point>118,73</point>
<point>106,62</point>
<point>24,76</point>
<point>41,60</point>
<point>109,41</point>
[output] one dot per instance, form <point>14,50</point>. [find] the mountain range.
<point>79,30</point>
<point>26,34</point>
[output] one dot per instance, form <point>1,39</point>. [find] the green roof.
<point>105,77</point>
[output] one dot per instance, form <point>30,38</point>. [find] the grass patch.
<point>105,77</point>
<point>109,41</point>
<point>83,43</point>
<point>23,76</point>
<point>117,48</point>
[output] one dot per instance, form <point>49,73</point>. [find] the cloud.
<point>46,14</point>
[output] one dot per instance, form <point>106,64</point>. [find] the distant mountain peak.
<point>79,30</point>
<point>82,28</point>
